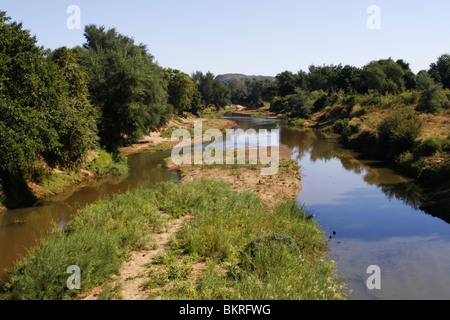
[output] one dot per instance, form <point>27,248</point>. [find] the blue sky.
<point>253,36</point>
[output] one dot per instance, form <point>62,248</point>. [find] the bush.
<point>108,164</point>
<point>37,174</point>
<point>430,146</point>
<point>409,97</point>
<point>399,130</point>
<point>340,125</point>
<point>433,100</point>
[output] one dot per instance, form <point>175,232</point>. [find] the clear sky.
<point>255,37</point>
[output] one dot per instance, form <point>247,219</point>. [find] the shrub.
<point>108,164</point>
<point>430,146</point>
<point>37,174</point>
<point>340,125</point>
<point>398,131</point>
<point>433,100</point>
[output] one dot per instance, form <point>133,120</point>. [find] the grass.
<point>224,225</point>
<point>260,114</point>
<point>105,165</point>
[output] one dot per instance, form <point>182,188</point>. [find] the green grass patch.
<point>108,164</point>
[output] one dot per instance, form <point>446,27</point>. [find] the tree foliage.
<point>183,91</point>
<point>213,91</point>
<point>398,131</point>
<point>126,86</point>
<point>440,71</point>
<point>44,109</point>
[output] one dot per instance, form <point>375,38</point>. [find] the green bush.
<point>340,125</point>
<point>430,146</point>
<point>108,164</point>
<point>398,131</point>
<point>433,100</point>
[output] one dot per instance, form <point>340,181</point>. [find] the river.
<point>370,212</point>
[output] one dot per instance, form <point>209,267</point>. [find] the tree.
<point>296,105</point>
<point>286,83</point>
<point>213,91</point>
<point>384,76</point>
<point>183,91</point>
<point>440,71</point>
<point>238,89</point>
<point>126,85</point>
<point>44,111</point>
<point>433,99</point>
<point>398,131</point>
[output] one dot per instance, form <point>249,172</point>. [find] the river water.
<point>370,211</point>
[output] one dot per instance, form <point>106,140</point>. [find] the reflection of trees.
<point>408,192</point>
<point>318,147</point>
<point>315,144</point>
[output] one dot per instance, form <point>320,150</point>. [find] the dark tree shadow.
<point>16,192</point>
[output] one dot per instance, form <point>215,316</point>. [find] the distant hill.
<point>228,76</point>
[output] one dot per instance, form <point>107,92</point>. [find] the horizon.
<point>263,38</point>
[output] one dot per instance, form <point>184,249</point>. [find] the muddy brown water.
<point>370,211</point>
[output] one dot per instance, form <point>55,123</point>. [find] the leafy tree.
<point>384,76</point>
<point>322,77</point>
<point>213,91</point>
<point>44,110</point>
<point>183,91</point>
<point>350,79</point>
<point>409,76</point>
<point>126,85</point>
<point>286,83</point>
<point>296,105</point>
<point>238,89</point>
<point>440,71</point>
<point>433,99</point>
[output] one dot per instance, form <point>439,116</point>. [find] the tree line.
<point>57,105</point>
<point>303,93</point>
